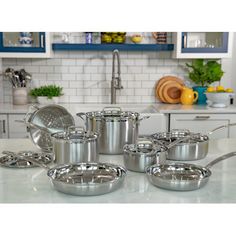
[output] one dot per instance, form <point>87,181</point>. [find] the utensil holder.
<point>20,96</point>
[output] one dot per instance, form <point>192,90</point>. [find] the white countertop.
<point>33,186</point>
<point>141,108</point>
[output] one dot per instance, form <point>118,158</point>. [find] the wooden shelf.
<point>111,47</point>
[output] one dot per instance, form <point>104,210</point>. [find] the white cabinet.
<point>3,126</point>
<point>16,129</point>
<point>205,122</point>
<point>202,44</point>
<point>156,122</point>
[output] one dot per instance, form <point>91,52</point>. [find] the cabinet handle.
<point>3,126</point>
<point>202,117</point>
<point>185,40</point>
<point>41,41</point>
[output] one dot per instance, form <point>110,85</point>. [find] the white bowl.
<point>219,99</point>
<point>46,100</point>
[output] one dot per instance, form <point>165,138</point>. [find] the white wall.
<point>86,76</point>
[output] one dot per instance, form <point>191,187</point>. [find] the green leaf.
<point>203,72</point>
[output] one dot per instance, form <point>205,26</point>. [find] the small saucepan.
<point>137,157</point>
<point>182,176</point>
<point>192,149</point>
<point>84,179</point>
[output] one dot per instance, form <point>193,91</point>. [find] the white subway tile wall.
<point>86,76</point>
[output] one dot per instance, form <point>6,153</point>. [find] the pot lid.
<point>143,148</point>
<point>180,133</point>
<point>114,113</point>
<point>76,134</point>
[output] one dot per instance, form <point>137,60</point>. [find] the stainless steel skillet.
<point>182,176</point>
<point>84,179</point>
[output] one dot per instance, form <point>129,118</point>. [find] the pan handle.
<point>80,115</point>
<point>221,158</point>
<point>221,127</point>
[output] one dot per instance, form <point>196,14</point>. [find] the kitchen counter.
<point>142,108</point>
<point>33,186</point>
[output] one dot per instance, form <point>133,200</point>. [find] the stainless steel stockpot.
<point>115,127</point>
<point>182,176</point>
<point>75,145</point>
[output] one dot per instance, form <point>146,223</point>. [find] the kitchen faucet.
<point>116,80</point>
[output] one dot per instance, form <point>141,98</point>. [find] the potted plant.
<point>47,94</point>
<point>203,73</point>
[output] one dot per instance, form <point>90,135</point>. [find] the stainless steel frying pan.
<point>182,176</point>
<point>84,179</point>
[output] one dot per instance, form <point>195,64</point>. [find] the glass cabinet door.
<point>22,42</point>
<point>204,42</point>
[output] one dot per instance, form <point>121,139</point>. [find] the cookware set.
<point>75,151</point>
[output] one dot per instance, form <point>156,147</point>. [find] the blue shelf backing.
<point>111,47</point>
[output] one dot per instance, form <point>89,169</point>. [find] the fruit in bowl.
<point>137,38</point>
<point>219,96</point>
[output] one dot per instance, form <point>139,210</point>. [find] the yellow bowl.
<point>137,39</point>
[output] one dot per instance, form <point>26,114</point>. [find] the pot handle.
<point>112,108</point>
<point>32,108</point>
<point>221,158</point>
<point>221,127</point>
<point>76,129</point>
<point>80,115</point>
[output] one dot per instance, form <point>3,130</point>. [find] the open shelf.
<point>111,47</point>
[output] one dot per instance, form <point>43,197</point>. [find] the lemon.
<point>220,88</point>
<point>229,90</point>
<point>210,89</point>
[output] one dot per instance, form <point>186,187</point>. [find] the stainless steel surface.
<point>53,118</point>
<point>116,128</point>
<point>137,157</point>
<point>195,148</point>
<point>86,179</point>
<point>16,160</point>
<point>202,117</point>
<point>116,80</point>
<point>75,145</point>
<point>182,176</point>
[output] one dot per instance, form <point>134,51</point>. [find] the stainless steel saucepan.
<point>84,179</point>
<point>137,157</point>
<point>116,128</point>
<point>182,176</point>
<point>194,148</point>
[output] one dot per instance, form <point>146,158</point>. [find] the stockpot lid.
<point>113,113</point>
<point>76,135</point>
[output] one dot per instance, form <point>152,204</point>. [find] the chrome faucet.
<point>116,80</point>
